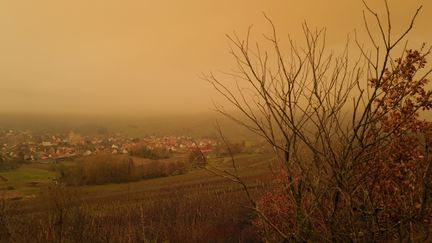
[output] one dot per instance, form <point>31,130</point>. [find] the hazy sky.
<point>84,56</point>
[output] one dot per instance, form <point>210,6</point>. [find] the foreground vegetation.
<point>354,149</point>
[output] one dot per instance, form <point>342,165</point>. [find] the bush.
<point>99,169</point>
<point>197,158</point>
<point>352,146</point>
<point>108,168</point>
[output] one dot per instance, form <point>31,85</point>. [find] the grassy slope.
<point>27,179</point>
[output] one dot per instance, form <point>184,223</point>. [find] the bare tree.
<point>333,121</point>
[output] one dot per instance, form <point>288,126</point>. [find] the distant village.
<point>50,148</point>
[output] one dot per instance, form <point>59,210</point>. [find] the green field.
<point>26,180</point>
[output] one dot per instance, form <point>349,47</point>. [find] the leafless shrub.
<point>333,122</point>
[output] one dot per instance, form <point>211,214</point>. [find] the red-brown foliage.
<point>384,196</point>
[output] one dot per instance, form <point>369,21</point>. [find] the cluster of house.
<point>48,148</point>
<point>179,143</point>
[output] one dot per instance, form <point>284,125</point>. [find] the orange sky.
<point>110,56</point>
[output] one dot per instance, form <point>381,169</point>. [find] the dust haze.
<point>146,57</point>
